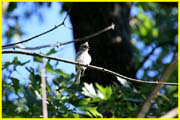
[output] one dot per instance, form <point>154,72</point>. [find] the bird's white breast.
<point>87,58</point>
<point>84,58</point>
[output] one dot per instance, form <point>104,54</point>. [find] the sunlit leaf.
<point>91,111</point>
<point>143,31</point>
<point>52,51</point>
<point>155,32</point>
<point>61,73</point>
<point>107,91</point>
<point>49,68</point>
<point>38,59</point>
<point>147,24</point>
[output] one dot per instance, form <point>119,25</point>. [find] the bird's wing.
<point>79,59</point>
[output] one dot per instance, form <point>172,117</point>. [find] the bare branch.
<point>146,58</point>
<point>90,36</point>
<point>160,44</point>
<point>5,6</point>
<point>147,104</point>
<point>43,87</point>
<point>55,27</point>
<point>89,66</point>
<point>111,27</point>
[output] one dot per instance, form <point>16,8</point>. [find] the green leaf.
<point>91,111</point>
<point>35,80</point>
<point>22,64</point>
<point>94,112</point>
<point>21,105</point>
<point>52,51</point>
<point>15,82</point>
<point>49,68</point>
<point>15,61</point>
<point>107,91</point>
<point>175,95</point>
<point>84,101</point>
<point>141,15</point>
<point>147,24</point>
<point>172,89</point>
<point>61,73</point>
<point>38,59</point>
<point>75,115</point>
<point>7,64</point>
<point>143,31</point>
<point>155,32</point>
<point>164,97</point>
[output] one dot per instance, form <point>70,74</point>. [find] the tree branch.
<point>55,27</point>
<point>43,87</point>
<point>147,104</point>
<point>89,66</point>
<point>152,51</point>
<point>111,27</point>
<point>145,59</point>
<point>5,6</point>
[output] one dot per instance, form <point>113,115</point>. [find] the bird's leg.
<point>83,73</point>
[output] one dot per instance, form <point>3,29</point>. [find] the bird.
<point>82,57</point>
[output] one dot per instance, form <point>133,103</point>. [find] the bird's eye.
<point>85,46</point>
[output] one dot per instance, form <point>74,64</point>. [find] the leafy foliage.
<point>154,26</point>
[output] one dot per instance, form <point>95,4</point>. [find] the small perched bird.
<point>84,58</point>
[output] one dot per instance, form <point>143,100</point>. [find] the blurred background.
<point>142,45</point>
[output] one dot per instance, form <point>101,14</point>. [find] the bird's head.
<point>84,46</point>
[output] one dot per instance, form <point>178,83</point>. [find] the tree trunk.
<point>111,50</point>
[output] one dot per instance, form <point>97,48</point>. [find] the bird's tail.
<point>78,76</point>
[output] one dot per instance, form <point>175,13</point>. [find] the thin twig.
<point>90,36</point>
<point>147,104</point>
<point>89,66</point>
<point>160,44</point>
<point>111,27</point>
<point>55,27</point>
<point>146,58</point>
<point>43,87</point>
